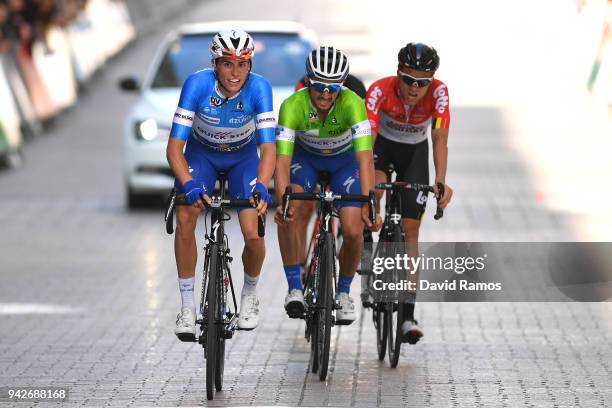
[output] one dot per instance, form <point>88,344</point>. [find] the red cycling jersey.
<point>390,119</point>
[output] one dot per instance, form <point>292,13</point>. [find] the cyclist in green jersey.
<point>324,127</point>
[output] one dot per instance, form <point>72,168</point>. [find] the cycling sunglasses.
<point>322,86</point>
<point>410,80</point>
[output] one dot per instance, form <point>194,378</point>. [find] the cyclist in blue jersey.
<point>223,114</point>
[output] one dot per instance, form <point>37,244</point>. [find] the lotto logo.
<point>441,98</point>
<point>421,198</point>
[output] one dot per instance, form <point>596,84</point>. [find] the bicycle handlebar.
<point>330,197</point>
<point>402,185</point>
<point>218,203</point>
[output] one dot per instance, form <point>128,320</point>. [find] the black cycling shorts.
<point>411,164</point>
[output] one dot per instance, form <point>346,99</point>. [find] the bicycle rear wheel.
<point>326,303</point>
<point>212,342</point>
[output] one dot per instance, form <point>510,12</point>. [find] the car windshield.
<point>278,57</point>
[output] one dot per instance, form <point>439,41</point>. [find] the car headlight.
<point>149,130</point>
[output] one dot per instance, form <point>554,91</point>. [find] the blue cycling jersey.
<point>220,123</point>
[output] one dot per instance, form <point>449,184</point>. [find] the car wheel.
<point>12,159</point>
<point>135,200</point>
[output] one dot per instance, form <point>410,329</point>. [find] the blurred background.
<point>530,83</point>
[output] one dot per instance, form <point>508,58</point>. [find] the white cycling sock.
<point>186,288</point>
<point>250,285</point>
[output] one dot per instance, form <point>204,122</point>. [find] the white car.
<point>281,49</point>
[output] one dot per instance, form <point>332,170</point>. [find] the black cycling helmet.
<point>327,63</point>
<point>419,56</point>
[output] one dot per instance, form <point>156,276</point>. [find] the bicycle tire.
<point>379,315</point>
<point>311,329</point>
<point>314,344</point>
<point>211,329</point>
<point>395,312</point>
<point>220,357</point>
<point>327,263</point>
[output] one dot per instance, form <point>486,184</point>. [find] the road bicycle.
<point>218,318</point>
<point>321,279</point>
<point>387,313</point>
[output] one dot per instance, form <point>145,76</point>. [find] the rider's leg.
<point>291,236</point>
<point>185,252</point>
<point>303,215</point>
<point>349,258</point>
<point>185,249</point>
<point>414,170</point>
<point>241,179</point>
<point>254,250</point>
<point>291,247</point>
<point>411,233</point>
<point>352,244</point>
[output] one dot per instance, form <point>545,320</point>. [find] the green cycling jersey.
<point>345,126</point>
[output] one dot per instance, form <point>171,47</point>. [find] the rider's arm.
<point>176,159</point>
<point>439,139</point>
<point>440,123</point>
<point>374,99</point>
<point>285,139</point>
<point>267,152</point>
<point>365,163</point>
<point>362,144</point>
<point>265,124</point>
<point>181,129</point>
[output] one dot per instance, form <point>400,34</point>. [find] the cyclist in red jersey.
<point>403,111</point>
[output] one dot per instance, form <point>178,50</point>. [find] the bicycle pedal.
<point>186,337</point>
<point>295,310</point>
<point>228,334</point>
<point>342,322</point>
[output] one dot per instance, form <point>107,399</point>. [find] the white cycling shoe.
<point>185,328</point>
<point>249,312</point>
<point>294,304</point>
<point>411,331</point>
<point>346,314</point>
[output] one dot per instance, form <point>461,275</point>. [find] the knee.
<point>411,231</point>
<point>303,213</point>
<point>353,234</point>
<point>185,223</point>
<point>255,243</point>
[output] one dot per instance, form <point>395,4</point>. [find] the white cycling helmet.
<point>236,44</point>
<point>327,63</point>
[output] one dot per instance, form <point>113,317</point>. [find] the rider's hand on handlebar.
<point>194,194</point>
<point>278,216</point>
<point>365,217</point>
<point>265,200</point>
<point>448,193</point>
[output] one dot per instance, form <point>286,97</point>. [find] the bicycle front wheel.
<point>212,342</point>
<point>220,357</point>
<point>394,309</point>
<point>379,315</point>
<point>326,302</point>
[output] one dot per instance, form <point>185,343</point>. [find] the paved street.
<point>89,294</point>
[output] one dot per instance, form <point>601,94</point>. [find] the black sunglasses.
<point>410,80</point>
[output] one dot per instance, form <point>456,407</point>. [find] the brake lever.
<point>261,219</point>
<point>439,211</point>
<point>286,198</point>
